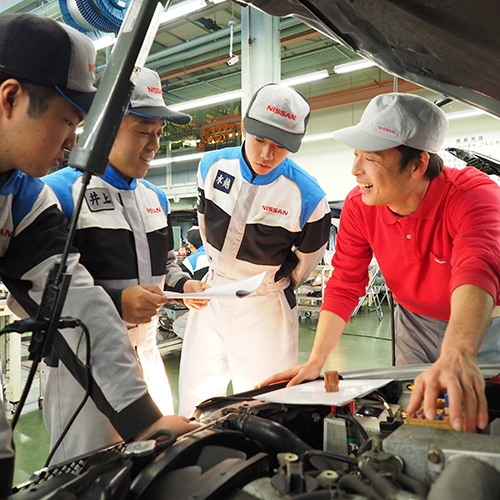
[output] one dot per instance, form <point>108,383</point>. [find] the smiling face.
<point>263,155</point>
<point>35,143</point>
<point>136,145</point>
<point>383,182</point>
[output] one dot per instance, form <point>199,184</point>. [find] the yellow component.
<point>437,424</point>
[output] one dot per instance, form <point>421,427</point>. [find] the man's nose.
<point>267,152</point>
<point>70,141</point>
<point>357,166</point>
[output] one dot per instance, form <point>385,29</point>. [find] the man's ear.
<point>420,165</point>
<point>10,91</point>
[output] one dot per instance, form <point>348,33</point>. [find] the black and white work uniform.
<point>33,234</point>
<point>125,239</point>
<point>278,223</point>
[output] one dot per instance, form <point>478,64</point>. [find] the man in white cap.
<point>125,235</point>
<point>46,88</point>
<point>435,232</point>
<point>258,211</point>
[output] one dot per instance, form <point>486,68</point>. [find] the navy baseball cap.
<point>44,51</point>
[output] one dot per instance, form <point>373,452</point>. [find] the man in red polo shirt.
<point>435,232</point>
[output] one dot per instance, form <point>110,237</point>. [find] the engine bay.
<point>249,449</point>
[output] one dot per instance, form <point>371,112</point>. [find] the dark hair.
<point>40,95</point>
<point>193,236</point>
<point>408,154</point>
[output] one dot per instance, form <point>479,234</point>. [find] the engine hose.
<point>170,438</point>
<point>328,454</point>
<point>412,484</point>
<point>273,435</point>
<point>355,484</point>
<point>379,483</point>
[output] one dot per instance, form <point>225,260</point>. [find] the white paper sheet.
<point>314,392</point>
<point>230,291</point>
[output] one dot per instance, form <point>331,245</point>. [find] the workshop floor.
<point>364,344</point>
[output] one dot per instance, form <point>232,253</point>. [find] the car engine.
<point>250,449</point>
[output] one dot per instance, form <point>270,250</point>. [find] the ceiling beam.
<point>362,93</point>
<point>218,61</point>
<point>209,63</point>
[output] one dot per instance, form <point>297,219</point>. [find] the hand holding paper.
<point>195,286</point>
<point>230,291</point>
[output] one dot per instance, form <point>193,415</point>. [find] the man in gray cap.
<point>435,233</point>
<point>125,235</point>
<point>258,211</point>
<point>46,88</point>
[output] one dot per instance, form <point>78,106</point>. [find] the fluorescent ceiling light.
<point>104,41</point>
<point>182,9</point>
<point>237,94</point>
<point>207,101</point>
<point>309,77</point>
<point>465,114</point>
<point>353,66</point>
<point>160,162</point>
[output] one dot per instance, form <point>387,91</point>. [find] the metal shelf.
<point>316,282</point>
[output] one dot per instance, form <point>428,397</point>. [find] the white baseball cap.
<point>147,99</point>
<point>392,120</point>
<point>278,113</point>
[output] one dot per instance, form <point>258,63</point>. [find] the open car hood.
<point>449,46</point>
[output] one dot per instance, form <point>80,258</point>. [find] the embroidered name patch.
<point>223,181</point>
<point>99,199</point>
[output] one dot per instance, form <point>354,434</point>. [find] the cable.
<point>378,396</point>
<point>366,446</point>
<point>351,419</point>
<point>84,400</point>
<point>26,325</point>
<point>328,454</point>
<point>24,395</point>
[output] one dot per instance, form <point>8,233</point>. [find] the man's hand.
<point>295,375</point>
<point>175,423</point>
<point>140,303</point>
<point>456,369</point>
<point>193,286</point>
<point>460,376</point>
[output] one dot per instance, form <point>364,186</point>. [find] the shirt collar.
<point>429,206</point>
<point>117,180</point>
<point>248,174</point>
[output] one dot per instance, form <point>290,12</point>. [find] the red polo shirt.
<point>451,240</point>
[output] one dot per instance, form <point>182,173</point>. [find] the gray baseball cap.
<point>44,51</point>
<point>392,120</point>
<point>147,100</point>
<point>278,113</point>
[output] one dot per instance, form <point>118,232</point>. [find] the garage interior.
<point>202,52</point>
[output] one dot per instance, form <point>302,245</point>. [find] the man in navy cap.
<point>46,88</point>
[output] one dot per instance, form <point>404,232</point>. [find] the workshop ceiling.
<point>191,54</point>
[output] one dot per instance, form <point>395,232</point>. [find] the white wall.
<point>330,161</point>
